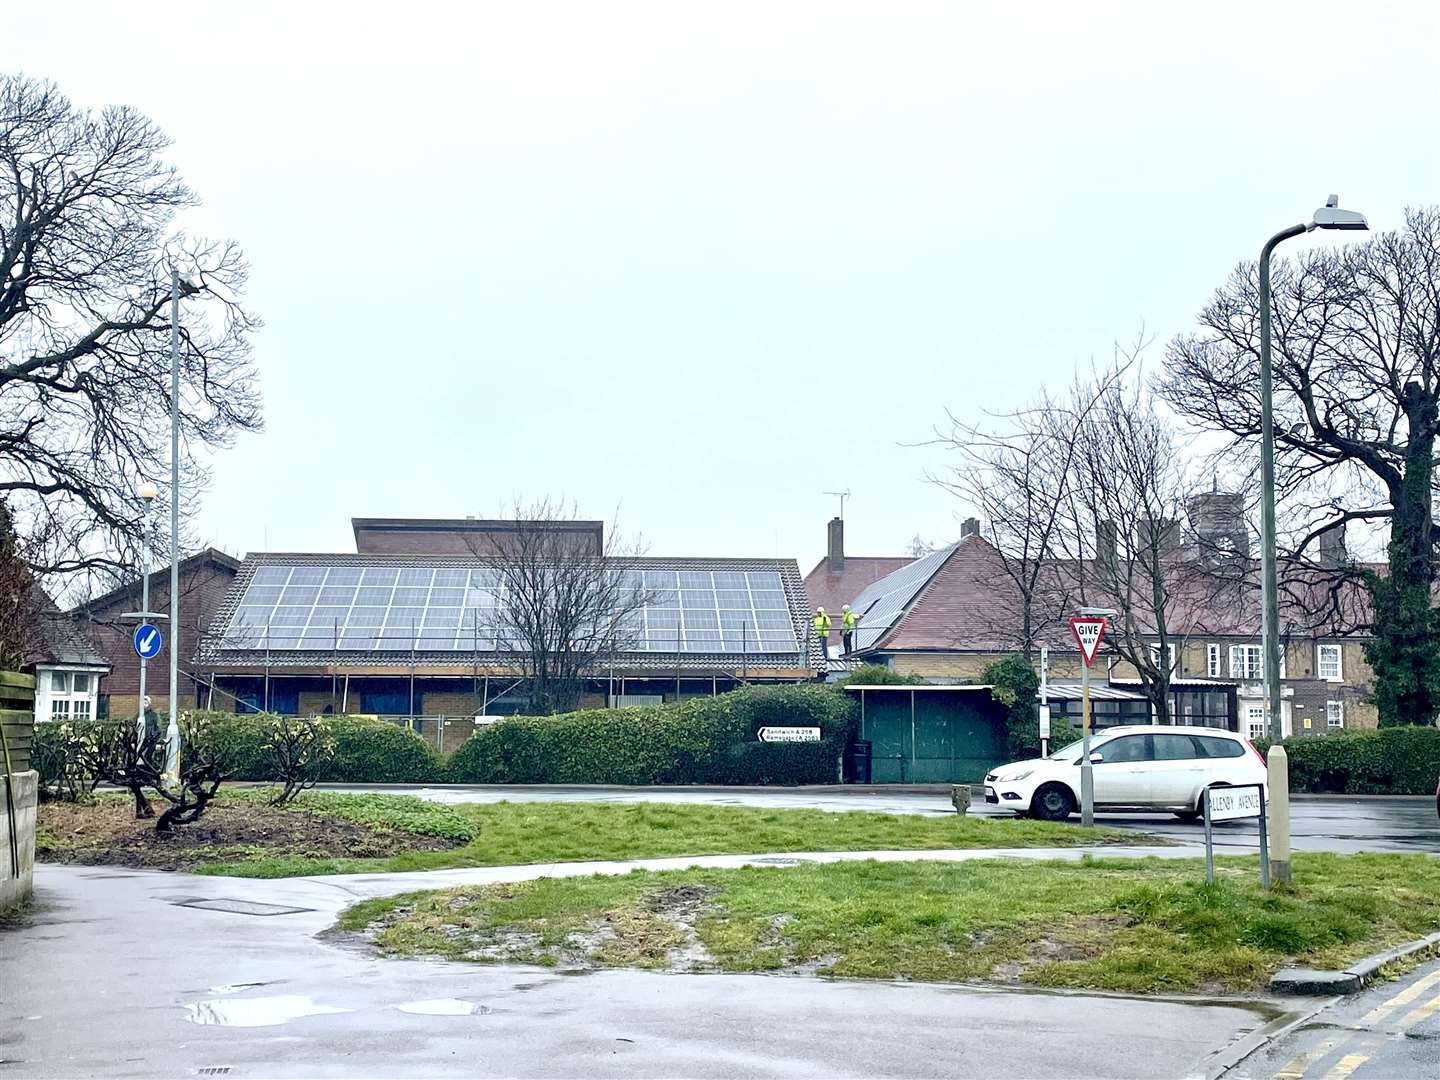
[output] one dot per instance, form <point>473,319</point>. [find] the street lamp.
<point>1329,216</point>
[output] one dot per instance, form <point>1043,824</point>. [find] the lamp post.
<point>1329,216</point>
<point>172,733</point>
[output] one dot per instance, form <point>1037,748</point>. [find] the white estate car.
<point>1150,767</point>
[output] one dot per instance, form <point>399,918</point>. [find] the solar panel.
<point>882,602</point>
<point>392,608</point>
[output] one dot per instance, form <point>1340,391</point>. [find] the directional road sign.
<point>147,641</point>
<point>789,734</point>
<point>1088,630</point>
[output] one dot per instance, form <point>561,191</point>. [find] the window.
<point>66,695</point>
<point>1246,662</point>
<point>1211,747</point>
<point>1212,661</point>
<point>1155,656</point>
<point>1174,747</point>
<point>1334,714</point>
<point>1327,662</point>
<point>1255,721</point>
<point>1126,748</point>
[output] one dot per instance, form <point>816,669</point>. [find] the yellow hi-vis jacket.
<point>822,623</point>
<point>847,621</point>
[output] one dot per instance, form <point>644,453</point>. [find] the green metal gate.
<point>931,735</point>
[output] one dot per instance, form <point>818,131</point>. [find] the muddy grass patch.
<point>1133,925</point>
<point>104,832</point>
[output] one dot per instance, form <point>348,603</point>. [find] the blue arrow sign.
<point>147,641</point>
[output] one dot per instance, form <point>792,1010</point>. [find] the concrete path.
<point>120,974</point>
<point>1339,823</point>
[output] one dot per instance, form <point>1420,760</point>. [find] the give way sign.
<point>1088,630</point>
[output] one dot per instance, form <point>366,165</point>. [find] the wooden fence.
<point>17,718</point>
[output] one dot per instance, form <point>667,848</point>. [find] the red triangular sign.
<point>1088,630</point>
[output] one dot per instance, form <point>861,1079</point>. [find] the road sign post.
<point>1234,804</point>
<point>1088,630</point>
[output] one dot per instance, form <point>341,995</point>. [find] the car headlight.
<point>1010,778</point>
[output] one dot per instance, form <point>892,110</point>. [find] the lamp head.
<point>1330,216</point>
<point>148,493</point>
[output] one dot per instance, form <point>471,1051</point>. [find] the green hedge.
<point>701,741</point>
<point>366,751</point>
<point>1390,761</point>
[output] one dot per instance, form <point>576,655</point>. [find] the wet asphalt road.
<point>120,982</point>
<point>1391,1031</point>
<point>1338,823</point>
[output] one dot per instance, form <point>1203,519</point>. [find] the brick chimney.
<point>969,527</point>
<point>835,547</point>
<point>1106,536</point>
<point>1332,546</point>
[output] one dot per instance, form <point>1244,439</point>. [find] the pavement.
<point>1340,823</point>
<point>1388,1032</point>
<point>119,974</point>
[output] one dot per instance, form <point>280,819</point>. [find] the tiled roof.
<point>962,599</point>
<point>59,638</point>
<point>160,577</point>
<point>229,658</point>
<point>832,591</point>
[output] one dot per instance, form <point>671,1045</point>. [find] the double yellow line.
<point>1299,1067</point>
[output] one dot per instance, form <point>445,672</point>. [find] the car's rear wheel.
<point>1053,802</point>
<point>1199,811</point>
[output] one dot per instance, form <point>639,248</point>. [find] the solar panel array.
<point>390,608</point>
<point>884,600</point>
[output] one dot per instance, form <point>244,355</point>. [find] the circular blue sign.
<point>147,641</point>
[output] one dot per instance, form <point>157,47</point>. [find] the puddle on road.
<point>443,1007</point>
<point>257,1012</point>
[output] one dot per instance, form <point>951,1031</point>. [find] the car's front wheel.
<point>1053,802</point>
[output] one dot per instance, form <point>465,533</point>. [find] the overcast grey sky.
<point>704,262</point>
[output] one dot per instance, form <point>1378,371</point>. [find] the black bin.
<point>857,763</point>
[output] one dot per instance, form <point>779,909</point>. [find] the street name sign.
<point>1228,804</point>
<point>147,641</point>
<point>1088,631</point>
<point>789,734</point>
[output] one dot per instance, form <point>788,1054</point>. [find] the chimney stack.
<point>1105,539</point>
<point>1332,546</point>
<point>1162,533</point>
<point>969,527</point>
<point>1218,519</point>
<point>835,548</point>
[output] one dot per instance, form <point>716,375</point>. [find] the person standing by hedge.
<point>822,631</point>
<point>847,627</point>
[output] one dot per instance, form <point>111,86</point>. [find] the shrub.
<point>1015,685</point>
<point>878,675</point>
<point>300,751</point>
<point>1390,761</point>
<point>379,752</point>
<point>365,751</point>
<point>701,741</point>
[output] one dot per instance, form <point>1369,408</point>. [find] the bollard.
<point>1277,766</point>
<point>960,797</point>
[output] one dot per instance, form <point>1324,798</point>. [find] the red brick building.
<point>838,579</point>
<point>204,579</point>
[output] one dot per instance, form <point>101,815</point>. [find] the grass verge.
<point>506,834</point>
<point>1128,925</point>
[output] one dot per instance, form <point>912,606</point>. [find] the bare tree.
<point>1357,406</point>
<point>565,599</point>
<point>1128,552</point>
<point>87,239</point>
<point>1016,473</point>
